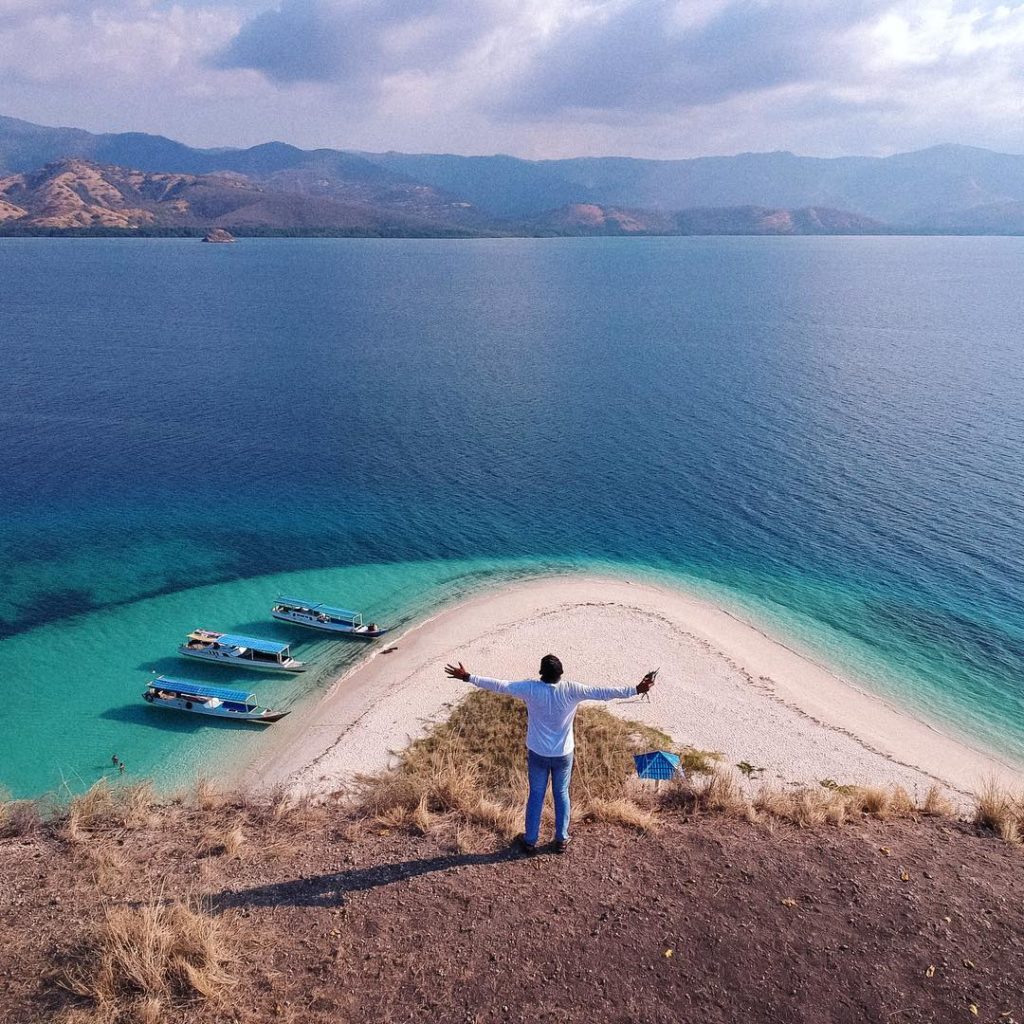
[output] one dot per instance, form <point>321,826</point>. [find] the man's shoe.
<point>561,845</point>
<point>529,849</point>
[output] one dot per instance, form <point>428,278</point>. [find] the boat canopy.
<point>252,642</point>
<point>314,606</point>
<point>195,690</point>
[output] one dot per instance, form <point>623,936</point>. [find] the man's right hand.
<point>453,672</point>
<point>646,683</point>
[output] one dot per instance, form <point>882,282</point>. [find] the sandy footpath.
<point>724,685</point>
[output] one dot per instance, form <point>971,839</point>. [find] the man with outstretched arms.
<point>551,704</point>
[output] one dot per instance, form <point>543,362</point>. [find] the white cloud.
<point>133,40</point>
<point>538,77</point>
<point>349,41</point>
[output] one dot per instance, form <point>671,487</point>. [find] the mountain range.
<point>60,179</point>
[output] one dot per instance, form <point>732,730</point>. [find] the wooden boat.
<point>240,651</point>
<point>184,695</point>
<point>325,618</point>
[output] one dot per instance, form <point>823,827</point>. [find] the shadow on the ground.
<point>330,890</point>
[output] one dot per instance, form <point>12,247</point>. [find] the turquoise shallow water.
<point>78,726</point>
<point>824,434</point>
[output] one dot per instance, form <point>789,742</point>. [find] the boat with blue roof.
<point>326,618</point>
<point>240,651</point>
<point>185,695</point>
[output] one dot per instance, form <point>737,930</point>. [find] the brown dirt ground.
<point>709,919</point>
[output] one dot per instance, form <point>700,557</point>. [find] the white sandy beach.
<point>724,685</point>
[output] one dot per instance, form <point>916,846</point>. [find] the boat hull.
<point>336,628</point>
<point>213,658</point>
<point>196,707</point>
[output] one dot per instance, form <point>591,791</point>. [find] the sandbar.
<point>724,685</point>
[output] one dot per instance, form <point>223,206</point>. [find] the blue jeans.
<point>540,769</point>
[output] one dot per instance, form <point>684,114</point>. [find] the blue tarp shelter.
<point>317,608</point>
<point>252,642</point>
<point>658,764</point>
<point>197,690</point>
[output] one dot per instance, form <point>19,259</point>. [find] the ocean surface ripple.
<point>827,434</point>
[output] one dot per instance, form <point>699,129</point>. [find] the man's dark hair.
<point>550,669</point>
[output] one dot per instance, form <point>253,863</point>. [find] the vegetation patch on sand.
<point>471,770</point>
<point>1001,811</point>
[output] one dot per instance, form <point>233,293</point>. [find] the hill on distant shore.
<point>942,189</point>
<point>79,194</point>
<point>590,218</point>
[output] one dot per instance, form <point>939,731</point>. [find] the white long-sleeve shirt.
<point>551,708</point>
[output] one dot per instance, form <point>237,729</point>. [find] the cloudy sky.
<point>664,78</point>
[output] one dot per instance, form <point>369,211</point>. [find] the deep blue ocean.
<point>825,434</point>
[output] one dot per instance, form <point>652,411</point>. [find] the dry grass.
<point>135,804</point>
<point>95,1015</point>
<point>105,806</point>
<point>104,865</point>
<point>470,838</point>
<point>278,847</point>
<point>141,960</point>
<point>284,807</point>
<point>208,796</point>
<point>470,768</point>
<point>699,762</point>
<point>1001,811</point>
<point>86,812</point>
<point>937,805</point>
<point>622,811</point>
<point>221,841</point>
<point>19,818</point>
<point>469,771</point>
<point>148,1010</point>
<point>805,806</point>
<point>157,962</point>
<point>714,792</point>
<point>883,802</point>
